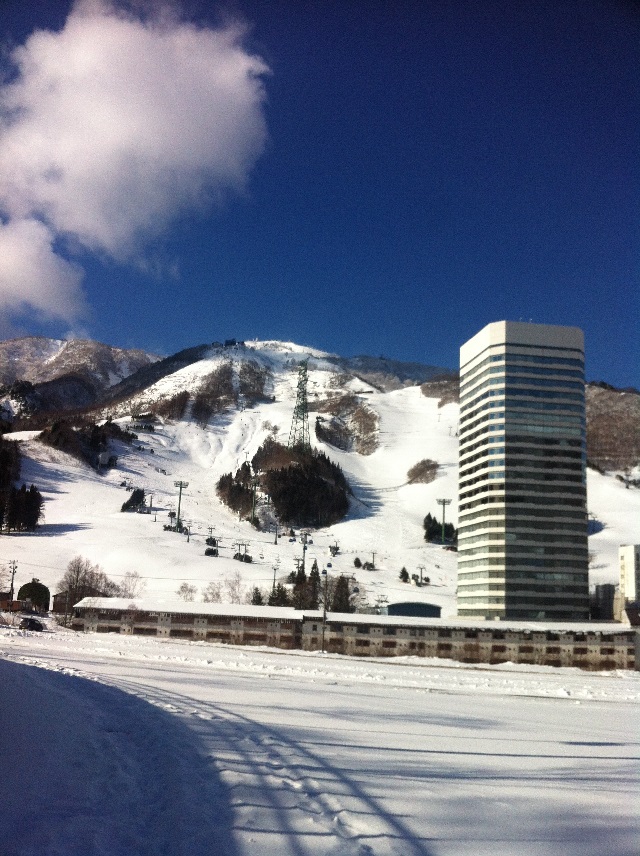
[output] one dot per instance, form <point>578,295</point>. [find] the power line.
<point>142,577</point>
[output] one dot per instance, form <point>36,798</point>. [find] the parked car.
<point>31,624</point>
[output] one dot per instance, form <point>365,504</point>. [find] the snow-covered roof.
<point>287,612</point>
<point>190,608</point>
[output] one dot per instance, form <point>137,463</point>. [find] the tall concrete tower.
<point>522,516</point>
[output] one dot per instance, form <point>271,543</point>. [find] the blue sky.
<point>401,174</point>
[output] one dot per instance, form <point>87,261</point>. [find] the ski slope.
<point>384,524</point>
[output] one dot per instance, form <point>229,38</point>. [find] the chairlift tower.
<point>299,433</point>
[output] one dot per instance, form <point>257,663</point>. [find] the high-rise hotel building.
<point>522,516</point>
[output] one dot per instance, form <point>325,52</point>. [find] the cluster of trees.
<point>350,424</point>
<point>613,428</point>
<point>308,592</point>
<point>216,392</point>
<point>304,497</point>
<point>135,500</point>
<point>433,531</point>
<point>23,393</point>
<point>84,439</point>
<point>308,491</point>
<point>305,487</point>
<point>252,379</point>
<point>173,407</point>
<point>235,490</point>
<point>303,592</point>
<point>21,510</point>
<point>9,463</point>
<point>334,432</point>
<point>423,472</point>
<point>232,586</point>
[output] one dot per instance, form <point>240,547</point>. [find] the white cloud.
<point>33,277</point>
<point>115,125</point>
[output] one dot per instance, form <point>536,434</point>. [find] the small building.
<point>629,564</point>
<point>602,602</point>
<point>63,602</point>
<point>8,605</point>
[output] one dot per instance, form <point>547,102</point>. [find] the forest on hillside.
<point>305,488</point>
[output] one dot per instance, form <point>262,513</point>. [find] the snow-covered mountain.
<point>38,359</point>
<point>383,434</point>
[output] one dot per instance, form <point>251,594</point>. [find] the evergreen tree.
<point>11,510</point>
<point>433,531</point>
<point>279,596</point>
<point>37,593</point>
<point>33,512</point>
<point>256,597</point>
<point>301,590</point>
<point>135,500</point>
<point>404,575</point>
<point>314,586</point>
<point>341,601</point>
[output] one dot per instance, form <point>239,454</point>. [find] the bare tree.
<point>132,585</point>
<point>83,579</point>
<point>187,592</point>
<point>212,593</point>
<point>234,588</point>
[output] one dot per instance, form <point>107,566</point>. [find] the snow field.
<point>170,747</point>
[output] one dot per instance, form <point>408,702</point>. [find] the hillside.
<point>384,522</point>
<point>36,359</point>
<point>39,375</point>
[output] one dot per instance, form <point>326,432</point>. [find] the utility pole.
<point>276,538</point>
<point>254,485</point>
<point>443,503</point>
<point>13,567</point>
<point>180,485</point>
<point>373,561</point>
<point>324,606</point>
<point>421,568</point>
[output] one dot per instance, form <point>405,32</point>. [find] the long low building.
<point>586,645</point>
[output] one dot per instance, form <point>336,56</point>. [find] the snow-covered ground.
<point>129,746</point>
<point>82,508</point>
